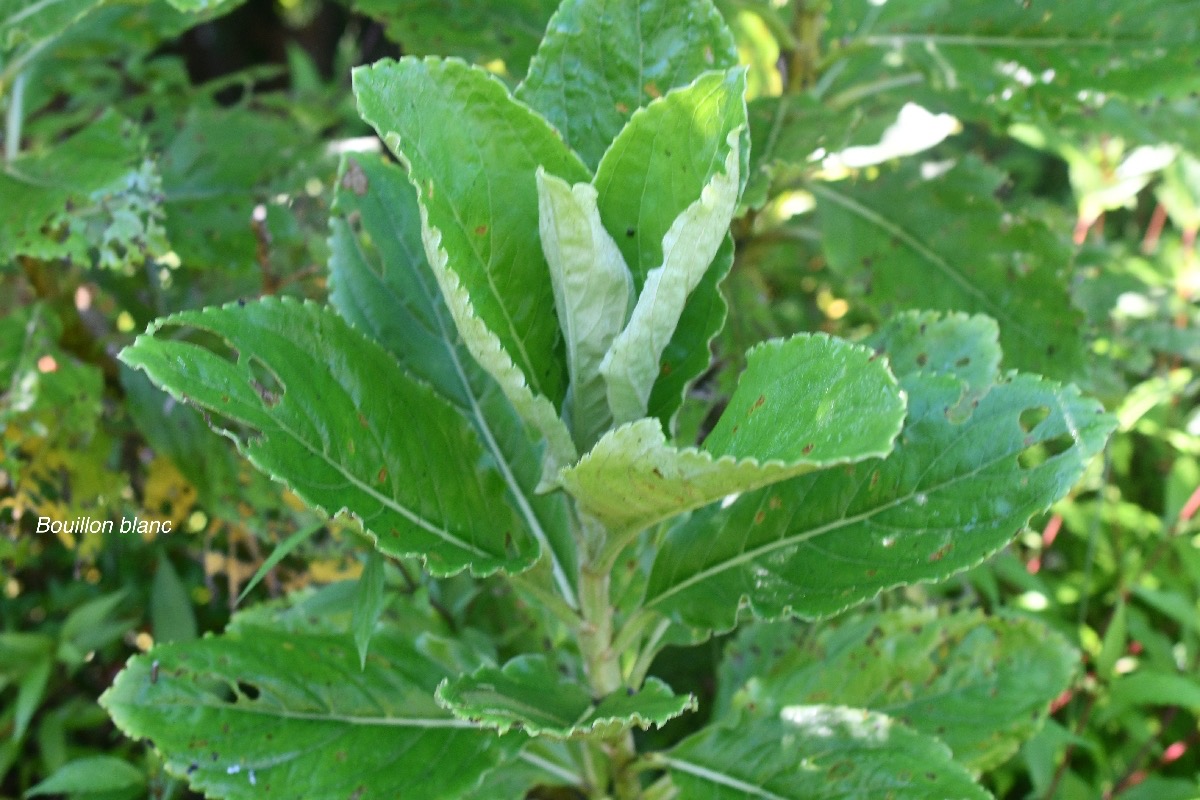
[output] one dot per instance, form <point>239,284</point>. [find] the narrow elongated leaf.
<point>381,283</point>
<point>654,170</point>
<point>664,157</point>
<point>949,247</point>
<point>33,25</point>
<point>802,404</point>
<point>601,60</point>
<point>91,775</point>
<point>369,602</point>
<point>593,293</point>
<point>980,684</point>
<point>170,606</point>
<point>345,429</point>
<point>632,365</point>
<point>813,752</point>
<point>472,153</point>
<point>529,693</point>
<point>279,553</point>
<point>957,488</point>
<point>261,710</point>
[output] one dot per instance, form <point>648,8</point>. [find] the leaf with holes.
<point>472,153</point>
<point>950,247</point>
<point>958,486</point>
<point>601,61</point>
<point>980,684</point>
<point>290,713</point>
<point>817,752</point>
<point>798,407</point>
<point>381,283</point>
<point>329,414</point>
<point>530,694</point>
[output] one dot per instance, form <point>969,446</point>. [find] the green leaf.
<point>385,448</point>
<point>1151,688</point>
<point>593,294</point>
<point>799,406</point>
<point>632,365</point>
<point>966,347</point>
<point>813,752</point>
<point>93,198</point>
<point>947,245</point>
<point>215,169</point>
<point>957,488</point>
<point>1058,48</point>
<point>30,692</point>
<point>476,31</point>
<point>381,283</point>
<point>530,694</point>
<point>654,171</point>
<point>36,24</point>
<point>279,553</point>
<point>980,684</point>
<point>600,61</point>
<point>91,775</point>
<point>369,602</point>
<point>290,712</point>
<point>171,614</point>
<point>447,120</point>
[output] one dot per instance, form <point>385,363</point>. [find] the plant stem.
<point>14,118</point>
<point>805,55</point>
<point>603,666</point>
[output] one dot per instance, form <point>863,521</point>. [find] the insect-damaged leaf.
<point>798,407</point>
<point>949,246</point>
<point>959,485</point>
<point>529,693</point>
<point>381,283</point>
<point>334,418</point>
<point>473,153</point>
<point>817,752</point>
<point>980,684</point>
<point>600,61</point>
<point>262,711</point>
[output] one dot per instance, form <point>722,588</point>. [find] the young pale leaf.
<point>593,293</point>
<point>798,407</point>
<point>600,61</point>
<point>381,283</point>
<point>472,153</point>
<point>653,171</point>
<point>957,488</point>
<point>369,602</point>
<point>446,121</point>
<point>290,713</point>
<point>890,235</point>
<point>386,447</point>
<point>632,365</point>
<point>981,685</point>
<point>817,752</point>
<point>529,693</point>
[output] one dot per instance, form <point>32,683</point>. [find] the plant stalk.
<point>14,118</point>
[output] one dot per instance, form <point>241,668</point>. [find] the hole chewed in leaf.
<point>1032,417</point>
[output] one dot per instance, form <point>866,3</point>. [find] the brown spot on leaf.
<point>382,477</point>
<point>651,89</point>
<point>481,230</point>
